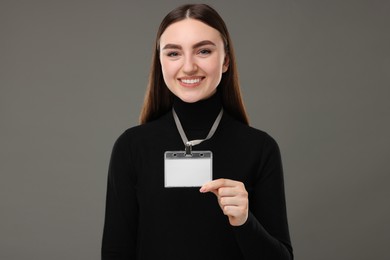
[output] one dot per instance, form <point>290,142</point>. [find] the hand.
<point>232,198</point>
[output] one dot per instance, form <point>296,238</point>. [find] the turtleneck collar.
<point>199,115</point>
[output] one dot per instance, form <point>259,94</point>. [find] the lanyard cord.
<point>189,144</point>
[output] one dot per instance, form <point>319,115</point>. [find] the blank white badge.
<point>181,170</point>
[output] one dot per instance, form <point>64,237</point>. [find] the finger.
<point>234,211</point>
<point>232,201</point>
<point>229,201</point>
<point>216,184</point>
<point>230,211</point>
<point>228,191</point>
<point>213,185</point>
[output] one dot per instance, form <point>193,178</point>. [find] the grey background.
<point>314,74</point>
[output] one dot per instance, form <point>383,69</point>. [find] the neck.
<point>197,118</point>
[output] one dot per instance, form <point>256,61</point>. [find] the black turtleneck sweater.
<point>146,221</point>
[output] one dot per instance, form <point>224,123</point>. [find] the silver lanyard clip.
<point>188,149</point>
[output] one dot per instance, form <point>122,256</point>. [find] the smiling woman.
<point>192,59</point>
<point>227,201</point>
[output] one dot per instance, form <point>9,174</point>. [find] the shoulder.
<point>146,133</point>
<point>249,135</point>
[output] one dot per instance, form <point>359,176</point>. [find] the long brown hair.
<point>159,99</point>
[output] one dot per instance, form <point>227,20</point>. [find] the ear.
<point>225,64</point>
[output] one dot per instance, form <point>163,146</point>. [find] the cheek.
<point>214,67</point>
<point>168,69</point>
<point>163,67</point>
<point>214,71</point>
<point>169,72</point>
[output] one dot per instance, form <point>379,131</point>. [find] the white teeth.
<point>190,81</point>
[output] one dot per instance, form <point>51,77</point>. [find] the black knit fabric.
<point>146,221</point>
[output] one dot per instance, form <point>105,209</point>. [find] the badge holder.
<point>189,168</point>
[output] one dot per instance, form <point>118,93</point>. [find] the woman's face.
<point>192,59</point>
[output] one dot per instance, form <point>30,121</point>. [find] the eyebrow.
<point>196,45</point>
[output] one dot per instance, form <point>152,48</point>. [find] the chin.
<point>190,99</point>
<point>193,97</point>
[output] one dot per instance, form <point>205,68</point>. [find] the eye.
<point>204,52</point>
<point>173,54</point>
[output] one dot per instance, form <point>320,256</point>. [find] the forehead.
<point>189,31</point>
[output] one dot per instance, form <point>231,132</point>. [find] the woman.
<point>241,212</point>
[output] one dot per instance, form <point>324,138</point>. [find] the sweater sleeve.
<point>265,234</point>
<point>120,226</point>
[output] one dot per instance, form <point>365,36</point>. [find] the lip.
<point>196,81</point>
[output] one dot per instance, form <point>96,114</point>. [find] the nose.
<point>189,66</point>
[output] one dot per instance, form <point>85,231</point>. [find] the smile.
<point>191,82</point>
